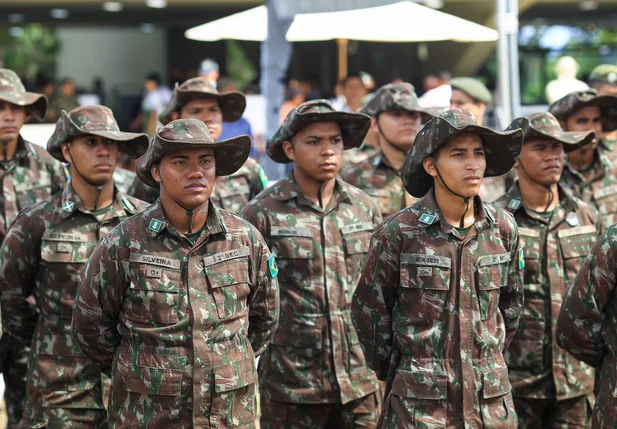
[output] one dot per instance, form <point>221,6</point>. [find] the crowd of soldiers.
<point>376,282</point>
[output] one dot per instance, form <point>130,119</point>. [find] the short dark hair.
<point>155,77</point>
<point>352,76</point>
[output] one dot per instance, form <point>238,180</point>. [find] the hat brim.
<point>132,144</point>
<point>36,104</point>
<point>501,152</point>
<point>571,140</point>
<point>227,160</point>
<point>232,104</point>
<point>354,127</point>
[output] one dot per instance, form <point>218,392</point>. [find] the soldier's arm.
<point>373,300</point>
<point>19,259</point>
<point>257,181</point>
<point>59,175</point>
<point>98,302</point>
<point>512,294</point>
<point>579,327</point>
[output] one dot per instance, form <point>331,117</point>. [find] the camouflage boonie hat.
<point>94,121</point>
<point>501,149</point>
<point>232,103</point>
<point>397,96</point>
<point>606,73</point>
<point>354,126</point>
<point>472,87</point>
<point>12,90</point>
<point>574,101</point>
<point>229,155</point>
<point>543,125</point>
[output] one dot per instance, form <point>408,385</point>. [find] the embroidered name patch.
<point>155,260</point>
<point>226,256</point>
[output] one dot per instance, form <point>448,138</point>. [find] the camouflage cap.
<point>95,121</point>
<point>543,125</point>
<point>501,149</point>
<point>397,96</point>
<point>12,90</point>
<point>606,73</point>
<point>472,87</point>
<point>574,101</point>
<point>354,126</point>
<point>229,154</point>
<point>232,103</point>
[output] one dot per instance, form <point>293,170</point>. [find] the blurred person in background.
<point>295,94</point>
<point>237,128</point>
<point>64,99</point>
<point>210,70</point>
<point>354,92</point>
<point>156,97</point>
<point>437,90</point>
<point>603,79</point>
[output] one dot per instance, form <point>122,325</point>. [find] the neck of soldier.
<point>178,216</point>
<point>536,196</point>
<point>88,193</point>
<point>318,192</point>
<point>395,156</point>
<point>8,147</point>
<point>453,207</point>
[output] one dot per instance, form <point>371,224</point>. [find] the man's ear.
<point>65,152</point>
<point>288,148</point>
<point>175,116</point>
<point>156,174</point>
<point>429,167</point>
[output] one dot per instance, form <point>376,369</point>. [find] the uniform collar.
<point>158,222</point>
<point>601,166</point>
<point>288,189</point>
<point>70,202</point>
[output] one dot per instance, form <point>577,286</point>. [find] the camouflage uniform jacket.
<point>554,251</point>
<point>436,311</point>
<point>315,355</point>
<point>42,256</point>
<point>352,157</point>
<point>178,325</point>
<point>233,192</point>
<point>587,324</point>
<point>599,189</point>
<point>124,179</point>
<point>383,183</point>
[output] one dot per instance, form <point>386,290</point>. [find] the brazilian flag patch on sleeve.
<point>521,259</point>
<point>274,269</point>
<point>263,178</point>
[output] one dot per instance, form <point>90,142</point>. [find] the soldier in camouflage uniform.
<point>314,375</point>
<point>42,255</point>
<point>550,387</point>
<point>589,173</point>
<point>198,99</point>
<point>369,146</point>
<point>28,175</point>
<point>179,300</point>
<point>439,299</point>
<point>398,118</point>
<point>603,79</point>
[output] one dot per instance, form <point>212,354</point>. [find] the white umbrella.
<point>251,25</point>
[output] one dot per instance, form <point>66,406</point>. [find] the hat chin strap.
<point>466,199</point>
<point>99,188</point>
<point>551,195</point>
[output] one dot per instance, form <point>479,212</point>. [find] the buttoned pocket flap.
<point>421,271</point>
<point>228,272</point>
<point>291,243</point>
<point>576,242</point>
<point>234,375</point>
<point>492,270</point>
<point>495,383</point>
<point>156,273</point>
<point>64,247</point>
<point>152,381</point>
<point>420,385</point>
<point>357,237</point>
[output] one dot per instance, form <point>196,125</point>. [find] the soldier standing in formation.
<point>178,301</point>
<point>41,258</point>
<point>440,295</point>
<point>314,374</point>
<point>550,387</point>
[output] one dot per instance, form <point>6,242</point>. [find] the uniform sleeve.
<point>58,176</point>
<point>263,299</point>
<point>579,326</point>
<point>257,181</point>
<point>19,259</point>
<point>98,302</point>
<point>373,300</point>
<point>511,296</point>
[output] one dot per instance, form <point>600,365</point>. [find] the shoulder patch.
<point>155,225</point>
<point>263,178</point>
<point>427,218</point>
<point>514,204</point>
<point>274,269</point>
<point>521,258</point>
<point>68,206</point>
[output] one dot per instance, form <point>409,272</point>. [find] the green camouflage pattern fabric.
<point>353,157</point>
<point>96,121</point>
<point>597,188</point>
<point>587,324</point>
<point>315,356</point>
<point>178,325</point>
<point>551,413</point>
<point>554,251</point>
<point>354,126</point>
<point>229,155</point>
<point>606,73</point>
<point>234,192</point>
<point>380,181</point>
<point>123,180</point>
<point>473,88</point>
<point>232,103</point>
<point>500,149</point>
<point>436,311</point>
<point>13,91</point>
<point>544,125</point>
<point>41,258</point>
<point>494,188</point>
<point>396,96</point>
<point>574,101</point>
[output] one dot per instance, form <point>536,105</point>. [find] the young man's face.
<point>187,176</point>
<point>542,161</point>
<point>317,150</point>
<point>461,100</point>
<point>206,110</point>
<point>12,118</point>
<point>588,118</point>
<point>95,157</point>
<point>461,164</point>
<point>400,128</point>
<point>354,90</point>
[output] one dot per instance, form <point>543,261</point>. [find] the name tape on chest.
<point>226,256</point>
<point>357,227</point>
<point>155,260</point>
<point>528,232</point>
<point>72,237</point>
<point>423,259</point>
<point>278,231</point>
<point>579,230</point>
<point>494,259</point>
